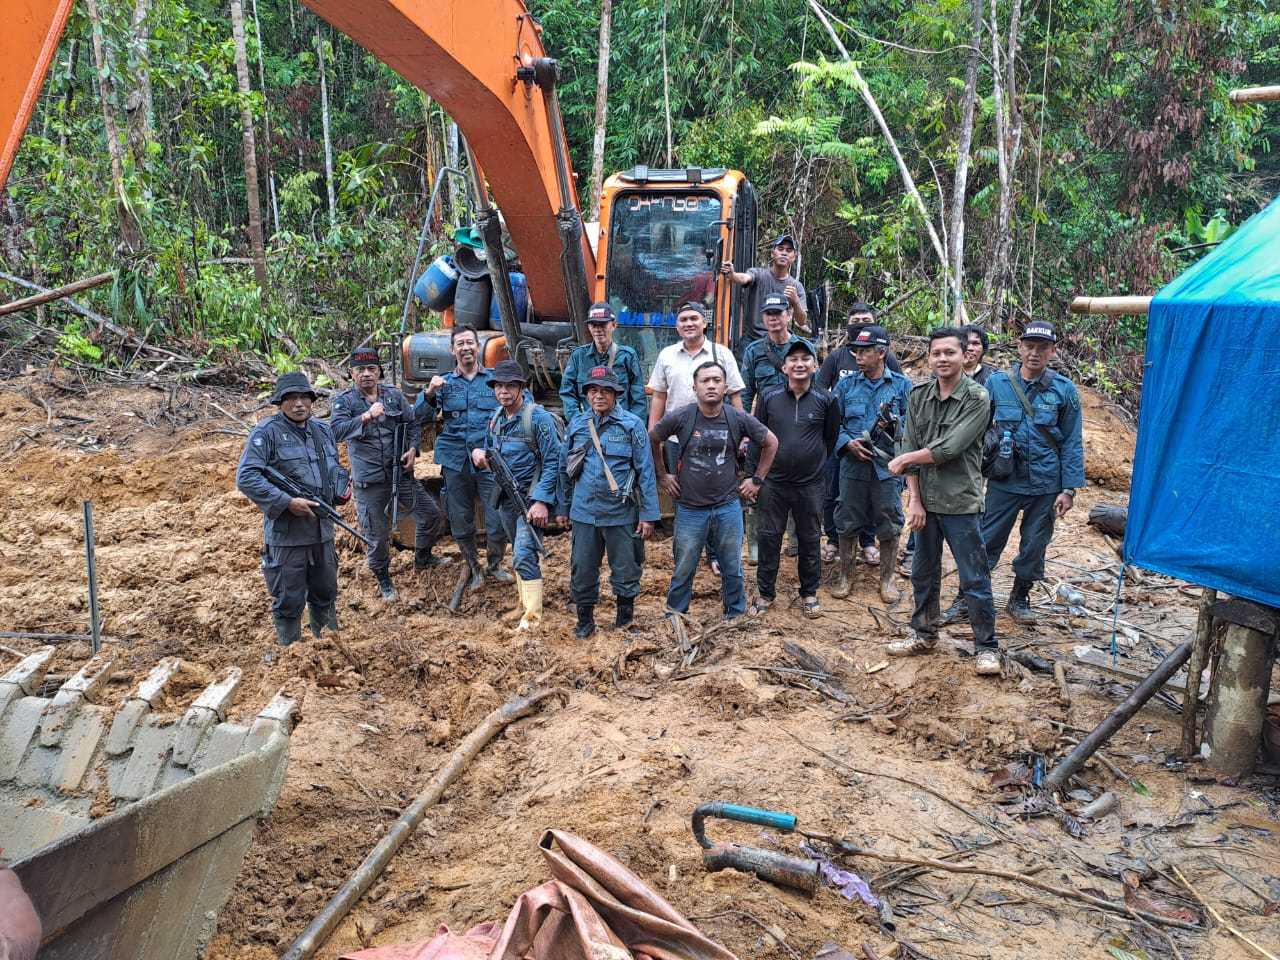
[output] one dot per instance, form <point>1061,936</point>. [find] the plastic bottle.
<point>1006,445</point>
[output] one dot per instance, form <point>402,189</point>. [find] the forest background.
<point>256,181</point>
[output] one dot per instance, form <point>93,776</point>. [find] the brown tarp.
<point>593,908</point>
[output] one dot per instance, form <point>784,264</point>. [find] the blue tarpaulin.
<point>1205,498</point>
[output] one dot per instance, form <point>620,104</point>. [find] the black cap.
<point>600,312</point>
<point>784,238</point>
<point>1039,330</point>
<point>774,303</point>
<point>602,377</point>
<point>872,335</point>
<point>693,305</point>
<point>799,344</point>
<point>363,356</point>
<point>507,371</point>
<point>295,382</point>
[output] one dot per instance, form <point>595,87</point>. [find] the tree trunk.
<point>140,106</point>
<point>73,61</point>
<point>266,122</point>
<point>324,120</point>
<point>602,110</point>
<point>256,246</point>
<point>666,82</point>
<point>1008,122</point>
<point>130,231</point>
<point>964,147</point>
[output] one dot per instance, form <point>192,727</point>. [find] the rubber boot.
<point>472,558</point>
<point>842,587</point>
<point>386,587</point>
<point>322,617</point>
<point>1019,605</point>
<point>288,629</point>
<point>889,592</point>
<point>531,595</point>
<point>586,621</point>
<point>424,559</point>
<point>493,569</point>
<point>626,611</point>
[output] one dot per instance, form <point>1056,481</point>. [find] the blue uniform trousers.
<point>1036,531</point>
<point>462,489</point>
<point>591,544</point>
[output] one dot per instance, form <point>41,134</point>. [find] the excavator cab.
<point>663,236</point>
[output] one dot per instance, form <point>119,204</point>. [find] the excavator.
<point>128,827</point>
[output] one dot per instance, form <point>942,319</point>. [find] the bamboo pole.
<point>1255,95</point>
<point>1113,306</point>
<point>320,929</point>
<point>55,294</point>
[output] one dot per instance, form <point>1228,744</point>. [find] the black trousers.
<point>963,535</point>
<point>803,503</point>
<point>591,544</point>
<point>297,576</point>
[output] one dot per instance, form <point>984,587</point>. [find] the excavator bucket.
<point>128,828</point>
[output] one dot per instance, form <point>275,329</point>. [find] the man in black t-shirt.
<point>705,486</point>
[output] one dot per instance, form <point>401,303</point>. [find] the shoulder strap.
<point>613,354</point>
<point>733,418</point>
<point>1014,377</point>
<point>685,433</point>
<point>595,442</point>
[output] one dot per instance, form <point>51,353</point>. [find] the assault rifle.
<point>506,481</point>
<point>295,489</point>
<point>880,438</point>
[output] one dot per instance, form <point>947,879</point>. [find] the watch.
<point>1069,491</point>
<point>758,481</point>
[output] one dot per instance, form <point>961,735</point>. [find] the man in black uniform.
<point>298,560</point>
<point>380,428</point>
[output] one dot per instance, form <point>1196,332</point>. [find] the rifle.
<point>880,438</point>
<point>294,489</point>
<point>506,481</point>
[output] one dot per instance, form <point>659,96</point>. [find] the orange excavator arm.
<point>28,42</point>
<point>465,54</point>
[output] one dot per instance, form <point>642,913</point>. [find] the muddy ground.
<point>642,739</point>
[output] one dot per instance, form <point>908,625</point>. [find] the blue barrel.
<point>520,291</point>
<point>471,302</point>
<point>436,287</point>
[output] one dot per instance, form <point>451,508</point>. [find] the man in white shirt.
<point>672,377</point>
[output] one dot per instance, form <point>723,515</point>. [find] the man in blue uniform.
<point>1041,409</point>
<point>465,400</point>
<point>762,360</point>
<point>603,351</point>
<point>525,435</point>
<point>381,431</point>
<point>612,499</point>
<point>298,559</point>
<point>869,493</point>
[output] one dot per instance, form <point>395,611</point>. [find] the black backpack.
<point>732,416</point>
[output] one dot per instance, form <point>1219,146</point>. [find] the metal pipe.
<point>1118,717</point>
<point>95,626</point>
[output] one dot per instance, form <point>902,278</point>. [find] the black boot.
<point>424,559</point>
<point>958,612</point>
<point>472,558</point>
<point>1019,606</point>
<point>385,586</point>
<point>586,621</point>
<point>288,629</point>
<point>493,569</point>
<point>626,611</point>
<point>322,617</point>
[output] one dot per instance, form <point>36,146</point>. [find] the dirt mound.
<point>642,741</point>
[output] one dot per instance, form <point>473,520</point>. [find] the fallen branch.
<point>45,637</point>
<point>1218,918</point>
<point>55,293</point>
<point>1064,892</point>
<point>319,930</point>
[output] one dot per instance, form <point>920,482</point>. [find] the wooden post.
<point>1238,701</point>
<point>1113,306</point>
<point>1255,95</point>
<point>1195,666</point>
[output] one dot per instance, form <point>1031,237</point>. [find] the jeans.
<point>590,545</point>
<point>373,507</point>
<point>1035,533</point>
<point>964,537</point>
<point>803,503</point>
<point>517,530</point>
<point>869,503</point>
<point>721,529</point>
<point>462,489</point>
<point>297,576</point>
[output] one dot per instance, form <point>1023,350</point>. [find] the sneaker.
<point>914,645</point>
<point>987,663</point>
<point>386,587</point>
<point>810,607</point>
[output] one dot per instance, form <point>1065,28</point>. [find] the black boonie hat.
<point>600,313</point>
<point>872,335</point>
<point>602,377</point>
<point>295,382</point>
<point>508,371</point>
<point>1039,330</point>
<point>774,303</point>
